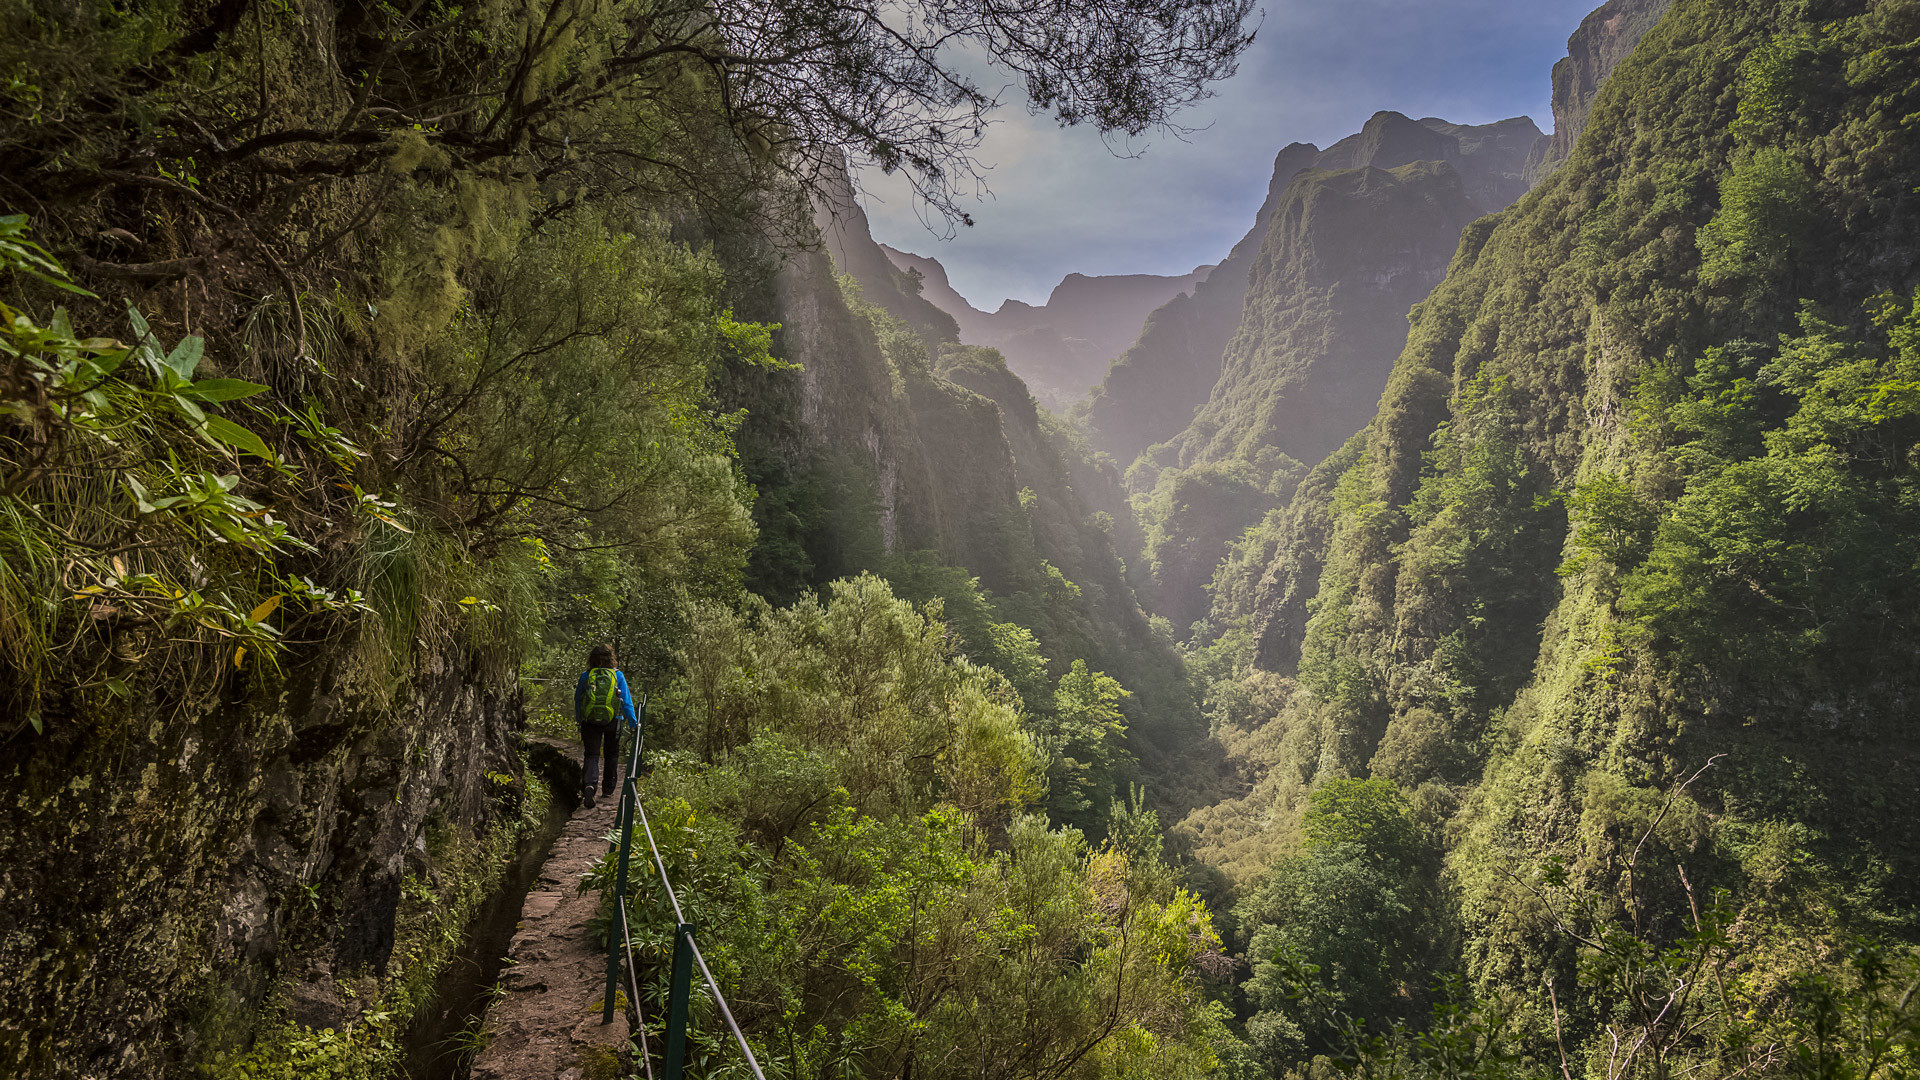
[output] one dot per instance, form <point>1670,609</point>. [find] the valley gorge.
<point>1466,631</point>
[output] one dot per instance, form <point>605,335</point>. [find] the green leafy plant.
<point>145,544</point>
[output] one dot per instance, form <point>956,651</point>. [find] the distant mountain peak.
<point>1062,347</point>
<point>1604,38</point>
<point>1153,389</point>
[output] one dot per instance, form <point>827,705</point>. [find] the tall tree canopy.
<point>546,89</point>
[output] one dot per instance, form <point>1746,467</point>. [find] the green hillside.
<point>1505,668</point>
<point>1638,501</point>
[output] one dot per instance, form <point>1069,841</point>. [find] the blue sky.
<point>1062,202</point>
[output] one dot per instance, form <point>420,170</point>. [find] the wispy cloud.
<point>1063,202</point>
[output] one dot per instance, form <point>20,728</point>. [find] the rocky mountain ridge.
<point>1603,40</point>
<point>1062,347</point>
<point>1354,239</point>
<point>1355,242</point>
<point>1151,392</point>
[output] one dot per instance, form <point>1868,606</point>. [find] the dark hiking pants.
<point>603,750</point>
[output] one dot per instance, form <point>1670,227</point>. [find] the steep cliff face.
<point>1151,390</point>
<point>1063,347</point>
<point>972,323</point>
<point>1350,245</point>
<point>168,864</point>
<point>1062,492</point>
<point>1682,333</point>
<point>1605,38</point>
<point>1346,255</point>
<point>883,446</point>
<point>897,458</point>
<point>1603,41</point>
<point>848,240</point>
<point>1491,158</point>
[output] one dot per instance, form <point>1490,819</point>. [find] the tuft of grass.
<point>28,619</point>
<point>403,571</point>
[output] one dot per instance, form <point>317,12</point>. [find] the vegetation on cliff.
<point>1559,717</point>
<point>1227,406</point>
<point>399,363</point>
<point>1636,502</point>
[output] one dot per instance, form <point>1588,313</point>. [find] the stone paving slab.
<point>547,1026</point>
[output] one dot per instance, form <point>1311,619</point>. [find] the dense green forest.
<point>345,401</point>
<point>360,364</point>
<point>1589,659</point>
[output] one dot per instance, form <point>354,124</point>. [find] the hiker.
<point>600,701</point>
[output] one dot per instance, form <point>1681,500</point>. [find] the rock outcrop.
<point>1151,390</point>
<point>848,240</point>
<point>1604,38</point>
<point>1346,256</point>
<point>1353,239</point>
<point>164,864</point>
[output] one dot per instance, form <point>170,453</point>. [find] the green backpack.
<point>602,698</point>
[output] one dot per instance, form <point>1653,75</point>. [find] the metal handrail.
<point>629,797</point>
<point>686,951</point>
<point>633,992</point>
<point>684,933</point>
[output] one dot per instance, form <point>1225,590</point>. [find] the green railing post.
<point>677,1000</point>
<point>616,930</point>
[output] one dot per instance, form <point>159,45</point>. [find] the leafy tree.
<point>563,370</point>
<point>964,606</point>
<point>1611,522</point>
<point>863,891</point>
<point>571,93</point>
<point>1369,814</point>
<point>1084,737</point>
<point>1362,903</point>
<point>1765,211</point>
<point>1785,523</point>
<point>1773,77</point>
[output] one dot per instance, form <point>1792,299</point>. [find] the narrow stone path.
<point>547,1024</point>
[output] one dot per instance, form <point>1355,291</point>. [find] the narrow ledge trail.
<point>546,1024</point>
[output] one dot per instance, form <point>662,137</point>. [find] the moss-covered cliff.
<point>168,864</point>
<point>885,449</point>
<point>1350,244</point>
<point>314,425</point>
<point>1603,39</point>
<point>1149,393</point>
<point>1346,254</point>
<point>1637,499</point>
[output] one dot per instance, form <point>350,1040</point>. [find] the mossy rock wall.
<point>167,868</point>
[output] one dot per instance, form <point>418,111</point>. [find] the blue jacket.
<point>619,684</point>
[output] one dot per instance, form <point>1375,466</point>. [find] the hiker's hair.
<point>601,656</point>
